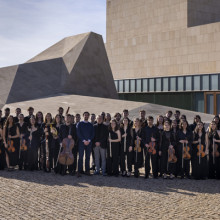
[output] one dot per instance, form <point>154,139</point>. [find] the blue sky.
<point>28,27</point>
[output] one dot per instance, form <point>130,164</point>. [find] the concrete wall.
<point>150,38</point>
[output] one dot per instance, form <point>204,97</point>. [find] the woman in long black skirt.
<point>199,160</point>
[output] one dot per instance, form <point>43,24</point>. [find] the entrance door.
<point>212,103</point>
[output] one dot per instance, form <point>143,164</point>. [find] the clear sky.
<point>27,27</point>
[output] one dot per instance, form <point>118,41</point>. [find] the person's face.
<point>136,123</point>
<point>92,117</point>
<point>160,120</point>
<point>167,126</point>
<point>113,124</point>
<point>184,125</point>
<point>150,122</point>
<point>125,121</point>
<point>125,114</point>
<point>7,113</point>
<point>78,118</point>
<point>174,124</point>
<point>31,111</point>
<point>118,117</point>
<point>68,119</point>
<point>39,115</point>
<point>58,119</point>
<point>61,111</point>
<point>216,119</point>
<point>86,116</point>
<point>18,111</point>
<point>142,115</point>
<point>108,117</point>
<point>213,126</point>
<point>177,115</point>
<point>197,119</point>
<point>32,121</point>
<point>10,119</point>
<point>48,117</point>
<point>169,114</point>
<point>99,119</point>
<point>200,126</point>
<point>21,117</point>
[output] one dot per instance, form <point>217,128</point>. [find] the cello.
<point>66,156</point>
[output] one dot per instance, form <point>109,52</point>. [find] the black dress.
<point>113,157</point>
<point>13,156</point>
<point>2,154</point>
<point>33,148</point>
<point>200,169</point>
<point>214,163</point>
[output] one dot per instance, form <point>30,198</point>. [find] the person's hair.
<point>57,115</point>
<point>20,115</point>
<point>33,117</point>
<point>86,113</point>
<point>106,117</point>
<point>60,108</point>
<point>166,122</point>
<point>45,121</point>
<point>77,114</point>
<point>177,112</point>
<point>122,122</point>
<point>0,111</point>
<point>37,116</point>
<point>169,111</point>
<point>210,126</point>
<point>181,124</point>
<point>142,111</point>
<point>30,108</point>
<point>139,120</point>
<point>150,118</point>
<point>117,113</point>
<point>7,110</point>
<point>7,121</point>
<point>125,110</point>
<point>17,109</point>
<point>196,130</point>
<point>116,125</point>
<point>159,116</point>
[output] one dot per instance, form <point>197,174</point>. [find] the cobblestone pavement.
<point>38,195</point>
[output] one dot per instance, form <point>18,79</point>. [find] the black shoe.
<point>188,177</point>
<point>146,176</point>
<point>87,173</point>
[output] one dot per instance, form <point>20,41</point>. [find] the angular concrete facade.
<point>75,65</point>
<point>154,38</point>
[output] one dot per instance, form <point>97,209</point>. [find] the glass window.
<point>205,82</point>
<point>218,103</point>
<point>158,84</point>
<point>132,81</point>
<point>199,99</point>
<point>196,82</point>
<point>145,85</point>
<point>188,83</point>
<point>180,83</point>
<point>151,85</point>
<point>116,85</point>
<point>214,82</point>
<point>173,84</point>
<point>138,84</point>
<point>121,86</point>
<point>165,84</point>
<point>210,104</point>
<point>126,85</point>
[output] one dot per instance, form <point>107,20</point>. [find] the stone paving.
<point>38,195</point>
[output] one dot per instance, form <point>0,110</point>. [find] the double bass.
<point>66,156</point>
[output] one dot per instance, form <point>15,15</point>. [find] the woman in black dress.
<point>2,150</point>
<point>137,147</point>
<point>184,141</point>
<point>213,137</point>
<point>11,141</point>
<point>33,137</point>
<point>56,142</point>
<point>126,145</point>
<point>199,161</point>
<point>113,149</point>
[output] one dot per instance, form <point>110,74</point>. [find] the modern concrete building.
<point>166,51</point>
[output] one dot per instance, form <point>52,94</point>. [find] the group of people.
<point>170,147</point>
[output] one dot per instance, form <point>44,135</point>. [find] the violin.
<point>66,156</point>
<point>171,155</point>
<point>151,148</point>
<point>137,146</point>
<point>11,147</point>
<point>186,154</point>
<point>23,146</point>
<point>200,149</point>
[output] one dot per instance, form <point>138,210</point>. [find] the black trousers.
<point>23,162</point>
<point>166,167</point>
<point>154,162</point>
<point>214,168</point>
<point>113,162</point>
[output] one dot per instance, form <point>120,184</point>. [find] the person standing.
<point>85,133</point>
<point>100,145</point>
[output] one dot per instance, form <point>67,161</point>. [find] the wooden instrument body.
<point>11,147</point>
<point>171,155</point>
<point>216,152</point>
<point>137,146</point>
<point>186,154</point>
<point>200,149</point>
<point>66,156</point>
<point>151,148</point>
<point>23,146</point>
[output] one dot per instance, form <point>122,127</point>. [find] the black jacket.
<point>101,135</point>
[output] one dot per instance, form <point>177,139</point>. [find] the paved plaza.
<point>38,195</point>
